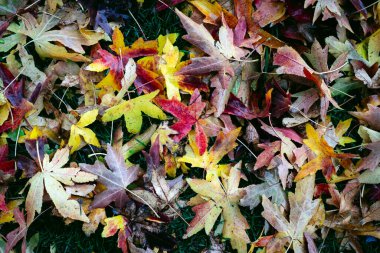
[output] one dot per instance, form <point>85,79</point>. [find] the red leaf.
<point>187,117</point>
<point>237,108</point>
<point>18,115</point>
<point>6,166</point>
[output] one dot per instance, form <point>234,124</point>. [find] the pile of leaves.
<point>256,127</point>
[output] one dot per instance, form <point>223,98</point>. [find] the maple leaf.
<point>187,117</point>
<point>132,109</point>
<point>371,161</point>
<point>51,177</point>
<point>218,199</point>
<point>166,191</point>
<point>7,166</point>
<point>79,129</point>
<point>318,58</point>
<point>324,155</point>
<point>370,115</point>
<point>17,234</point>
<point>329,9</point>
<point>268,12</point>
<point>237,108</point>
<point>270,188</point>
<point>302,210</point>
<point>42,36</point>
<point>152,69</point>
<point>224,143</point>
<point>115,224</point>
<point>292,63</point>
<point>115,63</point>
<point>116,178</point>
<point>219,53</point>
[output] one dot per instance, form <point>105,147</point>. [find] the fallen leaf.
<point>132,111</point>
<point>223,144</point>
<point>115,224</point>
<point>79,129</point>
<point>324,154</point>
<point>302,210</point>
<point>187,117</point>
<point>220,200</point>
<point>51,177</point>
<point>271,188</point>
<point>116,178</point>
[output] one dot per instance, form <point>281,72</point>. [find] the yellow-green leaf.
<point>132,111</point>
<point>80,129</point>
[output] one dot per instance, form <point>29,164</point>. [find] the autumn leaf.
<point>223,144</point>
<point>216,200</point>
<point>51,177</point>
<point>79,129</point>
<point>219,55</point>
<point>115,224</point>
<point>116,178</point>
<point>324,155</point>
<point>42,36</point>
<point>115,63</point>
<point>132,111</point>
<point>166,191</point>
<point>271,188</point>
<point>329,9</point>
<point>370,115</point>
<point>17,234</point>
<point>302,210</point>
<point>157,72</point>
<point>7,166</point>
<point>268,12</point>
<point>187,117</point>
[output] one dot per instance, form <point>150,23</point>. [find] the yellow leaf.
<point>114,224</point>
<point>172,37</point>
<point>80,129</point>
<point>51,177</point>
<point>341,129</point>
<point>224,143</point>
<point>168,66</point>
<point>324,154</point>
<point>52,5</point>
<point>217,197</point>
<point>8,215</point>
<point>4,112</point>
<point>369,48</point>
<point>132,111</point>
